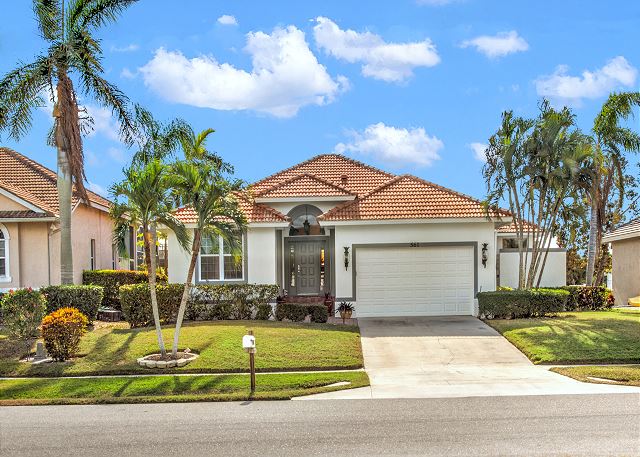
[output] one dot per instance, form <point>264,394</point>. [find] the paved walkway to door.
<point>426,357</point>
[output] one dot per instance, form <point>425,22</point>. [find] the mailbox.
<point>249,343</point>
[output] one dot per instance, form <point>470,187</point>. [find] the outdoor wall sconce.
<point>346,257</point>
<point>485,257</point>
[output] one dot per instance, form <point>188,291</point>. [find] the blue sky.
<point>410,86</point>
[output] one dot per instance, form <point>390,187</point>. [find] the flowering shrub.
<point>62,330</point>
<point>22,311</point>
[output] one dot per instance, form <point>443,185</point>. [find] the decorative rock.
<point>171,363</point>
<point>150,362</point>
<point>161,364</point>
<point>182,362</point>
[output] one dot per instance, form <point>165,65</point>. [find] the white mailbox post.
<point>249,345</point>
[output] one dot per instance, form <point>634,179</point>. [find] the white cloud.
<point>285,77</point>
<point>128,48</point>
<point>564,88</point>
<point>227,19</point>
<point>97,188</point>
<point>394,145</point>
<point>103,122</point>
<point>380,60</point>
<point>117,155</point>
<point>127,74</point>
<point>498,45</point>
<point>478,151</point>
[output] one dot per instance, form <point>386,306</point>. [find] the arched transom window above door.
<point>304,221</point>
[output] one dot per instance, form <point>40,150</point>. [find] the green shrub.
<point>512,304</point>
<point>592,298</point>
<point>136,303</point>
<point>297,312</point>
<point>111,280</point>
<point>229,301</point>
<point>86,299</point>
<point>264,312</point>
<point>61,331</point>
<point>22,311</point>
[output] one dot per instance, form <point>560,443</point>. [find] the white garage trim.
<point>473,253</point>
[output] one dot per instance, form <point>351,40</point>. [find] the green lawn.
<point>624,374</point>
<point>150,389</point>
<point>113,349</point>
<point>576,338</point>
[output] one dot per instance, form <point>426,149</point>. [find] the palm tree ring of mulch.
<point>167,361</point>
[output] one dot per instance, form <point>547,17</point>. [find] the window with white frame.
<point>217,263</point>
<point>4,255</point>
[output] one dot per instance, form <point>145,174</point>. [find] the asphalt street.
<point>576,425</point>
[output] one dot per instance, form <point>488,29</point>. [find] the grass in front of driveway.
<point>624,374</point>
<point>152,389</point>
<point>113,349</point>
<point>576,338</point>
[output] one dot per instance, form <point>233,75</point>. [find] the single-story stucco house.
<point>393,245</point>
<point>29,231</point>
<point>625,252</point>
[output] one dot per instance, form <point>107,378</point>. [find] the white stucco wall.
<point>555,270</point>
<point>260,264</point>
<point>480,232</point>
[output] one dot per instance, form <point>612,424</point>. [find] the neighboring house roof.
<point>304,185</point>
<point>409,197</point>
<point>629,230</point>
<point>512,228</point>
<point>360,178</point>
<point>35,183</point>
<point>26,214</point>
<point>254,212</point>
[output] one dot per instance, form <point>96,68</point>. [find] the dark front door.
<point>307,260</point>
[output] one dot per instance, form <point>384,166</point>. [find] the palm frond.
<point>49,15</point>
<point>96,13</point>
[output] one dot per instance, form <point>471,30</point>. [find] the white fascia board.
<point>465,220</point>
<point>343,198</point>
<point>624,236</point>
<point>29,219</point>
<point>21,201</point>
<point>268,224</point>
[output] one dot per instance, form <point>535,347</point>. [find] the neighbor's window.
<point>217,263</point>
<point>3,254</point>
<point>92,262</point>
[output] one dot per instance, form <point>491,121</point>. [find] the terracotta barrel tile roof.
<point>254,212</point>
<point>361,178</point>
<point>36,182</point>
<point>304,185</point>
<point>409,197</point>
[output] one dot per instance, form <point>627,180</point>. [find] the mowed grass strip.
<point>576,338</point>
<point>150,389</point>
<point>110,350</point>
<point>623,374</point>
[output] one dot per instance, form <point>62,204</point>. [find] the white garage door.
<point>414,281</point>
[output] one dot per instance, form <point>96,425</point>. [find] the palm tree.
<point>71,50</point>
<point>611,139</point>
<point>200,184</point>
<point>147,204</point>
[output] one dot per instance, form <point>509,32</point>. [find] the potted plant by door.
<point>346,309</point>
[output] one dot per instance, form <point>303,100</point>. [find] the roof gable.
<point>361,178</point>
<point>409,197</point>
<point>629,230</point>
<point>254,212</point>
<point>304,185</point>
<point>35,183</point>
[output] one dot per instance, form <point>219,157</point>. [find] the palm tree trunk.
<point>195,249</point>
<point>150,248</point>
<point>593,241</point>
<point>65,187</point>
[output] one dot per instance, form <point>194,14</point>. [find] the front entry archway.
<point>307,254</point>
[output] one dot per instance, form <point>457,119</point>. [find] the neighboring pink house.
<point>29,232</point>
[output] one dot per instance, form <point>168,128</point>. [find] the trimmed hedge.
<point>136,303</point>
<point>86,299</point>
<point>512,304</point>
<point>297,312</point>
<point>206,302</point>
<point>592,298</point>
<point>111,280</point>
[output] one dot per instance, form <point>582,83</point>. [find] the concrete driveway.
<point>422,357</point>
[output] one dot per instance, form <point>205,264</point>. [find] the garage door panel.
<point>432,280</point>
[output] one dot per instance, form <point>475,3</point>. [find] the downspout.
<point>49,226</point>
